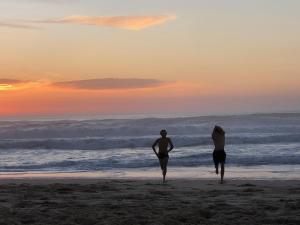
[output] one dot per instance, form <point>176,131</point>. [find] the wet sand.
<point>120,201</point>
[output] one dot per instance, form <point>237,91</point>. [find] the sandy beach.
<point>120,201</point>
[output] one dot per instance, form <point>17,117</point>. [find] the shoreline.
<point>158,180</point>
<point>192,173</point>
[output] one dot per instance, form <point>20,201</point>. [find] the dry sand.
<point>90,201</point>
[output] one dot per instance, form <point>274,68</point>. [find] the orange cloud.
<point>124,22</point>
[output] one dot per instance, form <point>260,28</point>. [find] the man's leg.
<point>161,163</point>
<point>164,171</point>
<point>217,168</point>
<point>162,166</point>
<point>216,162</point>
<point>222,171</point>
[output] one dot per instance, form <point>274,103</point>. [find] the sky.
<point>97,57</point>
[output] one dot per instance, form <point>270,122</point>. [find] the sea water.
<point>257,146</point>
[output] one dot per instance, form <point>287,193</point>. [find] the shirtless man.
<point>163,153</point>
<point>219,154</point>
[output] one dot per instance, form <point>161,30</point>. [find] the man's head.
<point>163,133</point>
<point>219,130</point>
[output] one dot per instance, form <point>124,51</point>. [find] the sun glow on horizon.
<point>6,87</point>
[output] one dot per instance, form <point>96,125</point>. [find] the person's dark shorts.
<point>161,156</point>
<point>219,156</point>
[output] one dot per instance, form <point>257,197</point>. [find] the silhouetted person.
<point>219,154</point>
<point>165,145</point>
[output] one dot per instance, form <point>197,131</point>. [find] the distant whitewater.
<point>100,145</point>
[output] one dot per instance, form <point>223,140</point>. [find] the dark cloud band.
<point>110,83</point>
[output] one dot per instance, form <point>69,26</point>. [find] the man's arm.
<point>213,135</point>
<point>153,147</point>
<point>171,145</point>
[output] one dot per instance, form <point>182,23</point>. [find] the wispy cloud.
<point>123,22</point>
<point>89,84</point>
<point>110,83</point>
<point>18,25</point>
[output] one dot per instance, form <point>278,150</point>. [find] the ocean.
<point>259,146</point>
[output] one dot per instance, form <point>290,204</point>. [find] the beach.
<point>71,201</point>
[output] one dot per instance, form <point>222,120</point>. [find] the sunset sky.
<point>99,57</point>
